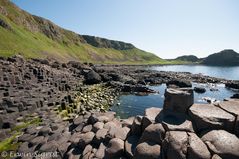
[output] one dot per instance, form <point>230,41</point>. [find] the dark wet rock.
<point>130,145</point>
<point>136,128</point>
<point>180,83</point>
<point>236,96</point>
<point>147,150</point>
<point>178,100</point>
<point>232,84</point>
<point>220,142</point>
<point>199,89</point>
<point>115,148</point>
<point>175,144</point>
<point>92,78</point>
<point>207,116</point>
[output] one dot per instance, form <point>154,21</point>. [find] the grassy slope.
<point>35,44</point>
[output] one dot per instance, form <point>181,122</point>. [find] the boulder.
<point>153,133</point>
<point>100,153</point>
<point>127,122</point>
<point>223,143</point>
<point>233,108</point>
<point>199,89</point>
<point>122,133</point>
<point>97,126</point>
<point>207,116</point>
<point>87,128</point>
<point>100,135</point>
<point>197,149</point>
<point>86,139</point>
<point>147,150</point>
<point>175,144</point>
<point>150,115</point>
<point>115,148</point>
<point>178,100</point>
<point>92,77</point>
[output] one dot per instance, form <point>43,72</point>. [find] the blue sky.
<point>168,28</point>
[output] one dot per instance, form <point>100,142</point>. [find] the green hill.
<point>36,37</point>
<point>223,58</point>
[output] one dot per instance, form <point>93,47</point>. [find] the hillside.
<point>189,58</point>
<point>223,58</point>
<point>36,37</point>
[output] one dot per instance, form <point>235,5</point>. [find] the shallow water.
<point>130,105</point>
<point>226,72</point>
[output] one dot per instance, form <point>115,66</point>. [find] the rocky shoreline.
<point>47,106</point>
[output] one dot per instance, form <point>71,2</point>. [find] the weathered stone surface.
<point>233,108</point>
<point>152,112</point>
<point>115,148</point>
<point>230,106</point>
<point>150,115</point>
<point>92,78</point>
<point>197,149</point>
<point>87,128</point>
<point>173,121</point>
<point>127,122</point>
<point>153,133</point>
<point>178,100</point>
<point>206,116</point>
<point>130,145</point>
<point>147,150</point>
<point>97,126</point>
<point>100,153</point>
<point>100,135</point>
<point>223,143</point>
<point>86,138</point>
<point>175,144</point>
<point>122,133</point>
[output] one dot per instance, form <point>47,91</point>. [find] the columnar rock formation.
<point>181,130</point>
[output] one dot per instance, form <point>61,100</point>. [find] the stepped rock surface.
<point>46,106</point>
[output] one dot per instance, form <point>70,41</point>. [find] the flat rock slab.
<point>147,151</point>
<point>223,143</point>
<point>207,116</point>
<point>230,106</point>
<point>173,121</point>
<point>152,112</point>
